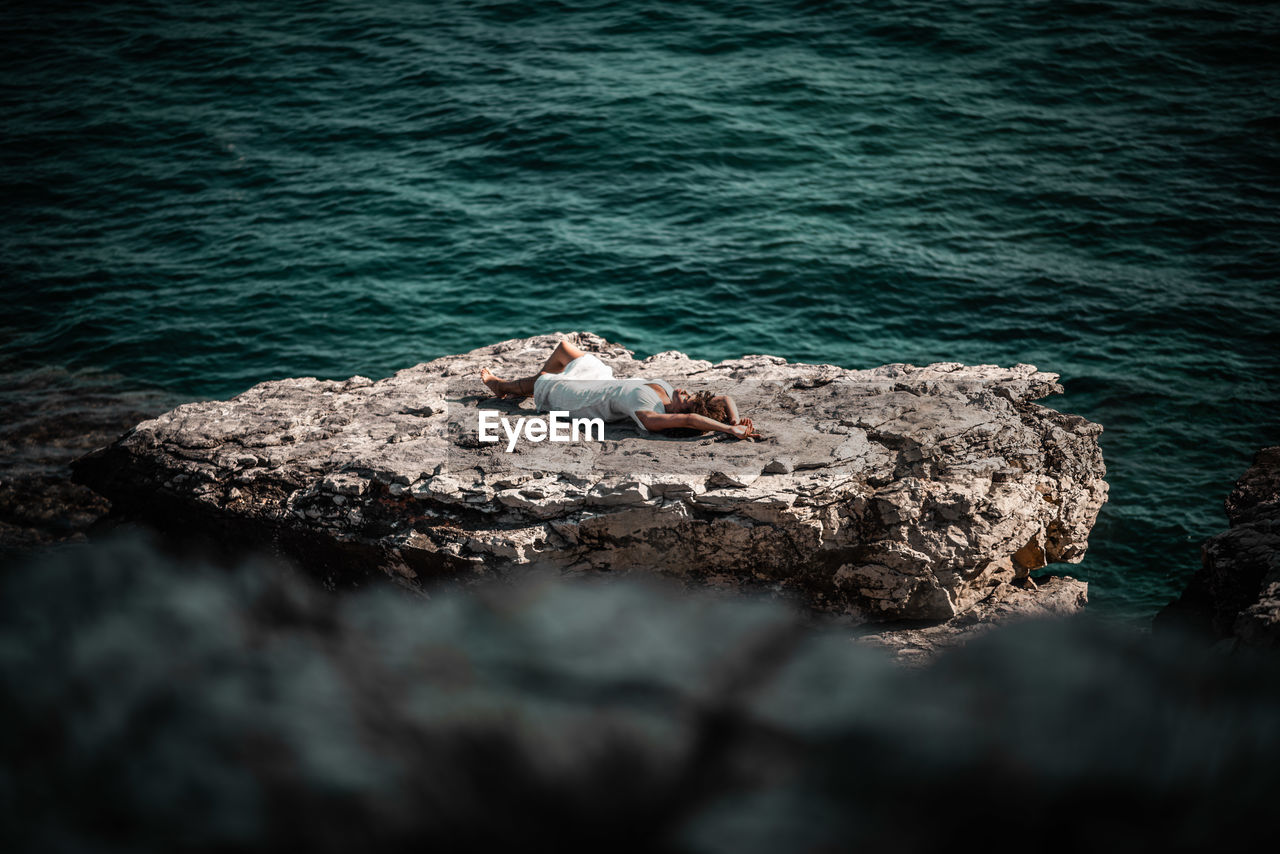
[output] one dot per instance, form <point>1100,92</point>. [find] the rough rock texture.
<point>1005,604</point>
<point>900,492</point>
<point>1236,591</point>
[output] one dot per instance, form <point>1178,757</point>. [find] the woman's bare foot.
<point>495,385</point>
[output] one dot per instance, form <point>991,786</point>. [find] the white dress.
<point>587,389</point>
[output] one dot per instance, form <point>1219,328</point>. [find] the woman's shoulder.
<point>666,386</point>
<point>641,394</point>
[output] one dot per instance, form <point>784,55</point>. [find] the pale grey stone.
<point>897,492</point>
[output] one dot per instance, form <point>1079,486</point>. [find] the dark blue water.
<point>203,196</point>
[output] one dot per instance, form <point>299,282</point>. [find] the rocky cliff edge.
<point>899,492</point>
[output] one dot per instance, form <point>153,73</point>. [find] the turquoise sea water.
<point>198,197</point>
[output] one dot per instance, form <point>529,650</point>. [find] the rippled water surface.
<point>199,197</point>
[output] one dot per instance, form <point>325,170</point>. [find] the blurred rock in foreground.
<point>151,706</point>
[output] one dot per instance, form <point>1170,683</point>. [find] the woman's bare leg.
<point>559,359</point>
<point>501,388</point>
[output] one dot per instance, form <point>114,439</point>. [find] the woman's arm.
<point>670,420</point>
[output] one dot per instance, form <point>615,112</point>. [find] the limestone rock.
<point>1236,592</point>
<point>1055,596</point>
<point>899,492</point>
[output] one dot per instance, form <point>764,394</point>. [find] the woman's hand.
<point>744,429</point>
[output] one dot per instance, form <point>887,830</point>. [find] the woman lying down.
<point>579,383</point>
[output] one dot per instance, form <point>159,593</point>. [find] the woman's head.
<point>718,407</point>
<point>714,406</point>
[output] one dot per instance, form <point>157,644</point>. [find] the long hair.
<point>710,405</point>
<point>702,403</point>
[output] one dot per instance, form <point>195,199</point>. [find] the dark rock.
<point>48,418</point>
<point>1236,592</point>
<point>154,706</point>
